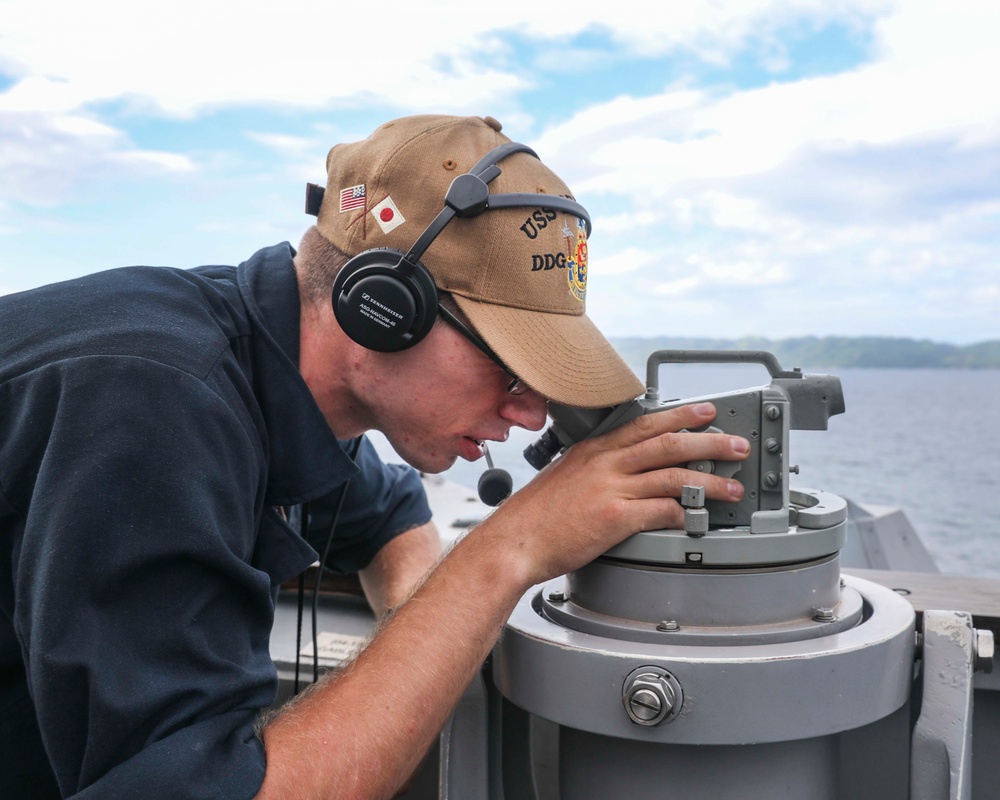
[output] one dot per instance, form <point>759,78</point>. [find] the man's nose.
<point>526,410</point>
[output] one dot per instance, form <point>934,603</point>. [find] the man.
<point>151,420</point>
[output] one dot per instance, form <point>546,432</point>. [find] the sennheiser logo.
<point>375,315</point>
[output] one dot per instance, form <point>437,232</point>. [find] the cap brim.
<point>563,357</point>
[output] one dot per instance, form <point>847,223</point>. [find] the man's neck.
<point>330,364</point>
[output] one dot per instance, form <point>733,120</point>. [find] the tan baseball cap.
<point>518,274</point>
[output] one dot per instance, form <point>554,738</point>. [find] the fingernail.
<point>703,409</point>
<point>735,489</point>
<point>739,445</point>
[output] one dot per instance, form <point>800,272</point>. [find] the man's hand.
<point>607,488</point>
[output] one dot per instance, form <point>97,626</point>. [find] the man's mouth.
<point>481,444</point>
<point>470,454</point>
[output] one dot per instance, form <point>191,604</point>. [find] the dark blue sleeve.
<point>142,619</point>
<point>382,501</point>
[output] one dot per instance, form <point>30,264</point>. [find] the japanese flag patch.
<point>387,215</point>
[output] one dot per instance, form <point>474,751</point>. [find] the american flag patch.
<point>352,198</point>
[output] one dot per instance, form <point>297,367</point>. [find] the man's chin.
<point>430,463</point>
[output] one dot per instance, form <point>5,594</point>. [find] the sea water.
<point>924,440</point>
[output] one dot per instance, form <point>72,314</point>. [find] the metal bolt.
<point>772,445</point>
<point>983,649</point>
<point>646,705</point>
<point>771,480</point>
<point>557,596</point>
<point>772,412</point>
<point>651,696</point>
<point>824,615</point>
<point>668,625</point>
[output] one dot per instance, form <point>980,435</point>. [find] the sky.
<point>754,167</point>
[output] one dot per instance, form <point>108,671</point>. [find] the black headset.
<point>385,299</point>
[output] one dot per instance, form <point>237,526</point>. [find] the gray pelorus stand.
<point>730,660</point>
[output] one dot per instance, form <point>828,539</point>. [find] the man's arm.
<point>398,567</point>
<point>360,733</point>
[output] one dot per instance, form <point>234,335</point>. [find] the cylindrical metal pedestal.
<point>595,767</point>
<point>764,718</point>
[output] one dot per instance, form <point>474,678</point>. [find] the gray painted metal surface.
<point>819,529</point>
<point>601,767</point>
<point>464,747</point>
<point>696,607</point>
<point>705,596</point>
<point>733,694</point>
<point>942,739</point>
<point>883,538</point>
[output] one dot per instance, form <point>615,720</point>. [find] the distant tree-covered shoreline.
<point>831,351</point>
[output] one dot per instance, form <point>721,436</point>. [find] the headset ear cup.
<point>382,305</point>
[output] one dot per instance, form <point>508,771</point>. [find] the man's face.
<point>442,398</point>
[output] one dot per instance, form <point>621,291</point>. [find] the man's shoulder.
<point>179,317</point>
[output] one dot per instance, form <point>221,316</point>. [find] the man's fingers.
<point>656,513</point>
<point>670,482</point>
<point>678,449</point>
<point>652,425</point>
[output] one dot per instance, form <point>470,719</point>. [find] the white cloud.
<point>865,201</point>
<point>45,158</point>
<point>198,55</point>
<point>68,61</point>
<point>680,287</point>
<point>850,184</point>
<point>622,262</point>
<point>283,144</point>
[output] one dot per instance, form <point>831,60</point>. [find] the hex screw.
<point>668,625</point>
<point>557,596</point>
<point>824,615</point>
